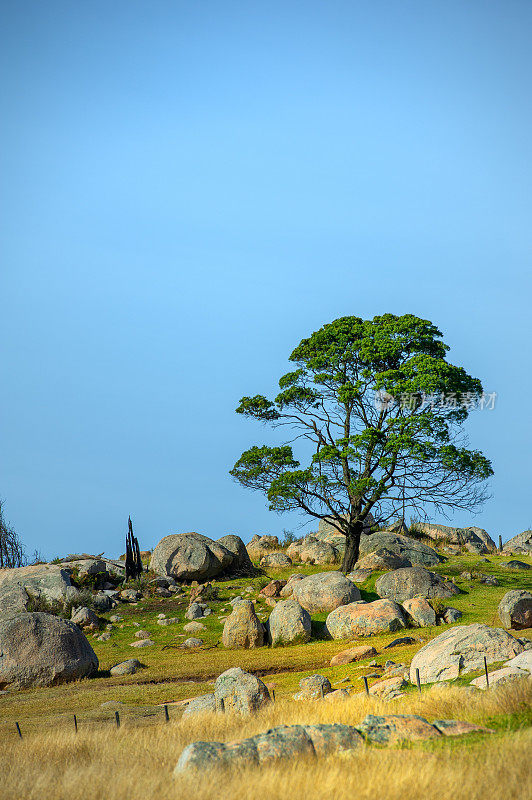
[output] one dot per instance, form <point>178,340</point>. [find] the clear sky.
<point>190,188</point>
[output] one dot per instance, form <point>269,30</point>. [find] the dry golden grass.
<point>137,761</point>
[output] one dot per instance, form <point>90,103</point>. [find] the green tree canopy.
<point>382,410</point>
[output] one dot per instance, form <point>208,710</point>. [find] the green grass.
<point>172,673</point>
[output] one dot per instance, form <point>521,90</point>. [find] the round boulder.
<point>275,560</point>
<point>289,623</point>
<point>242,628</point>
<point>365,619</point>
<point>515,609</point>
<point>403,584</point>
<point>462,649</point>
<point>39,649</point>
<point>190,556</point>
<point>240,691</point>
<point>324,592</point>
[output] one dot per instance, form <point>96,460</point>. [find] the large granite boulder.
<point>474,539</point>
<point>241,561</point>
<point>259,546</point>
<point>289,623</point>
<point>314,551</point>
<point>403,584</point>
<point>48,582</point>
<point>324,591</point>
<point>462,649</point>
<point>242,628</point>
<point>515,609</point>
<point>190,556</point>
<point>39,650</point>
<point>365,619</point>
<point>415,552</point>
<point>241,691</point>
<point>520,544</point>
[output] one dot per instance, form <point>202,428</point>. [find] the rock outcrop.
<point>462,649</point>
<point>520,544</point>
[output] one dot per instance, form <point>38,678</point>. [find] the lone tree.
<point>380,409</point>
<point>11,549</point>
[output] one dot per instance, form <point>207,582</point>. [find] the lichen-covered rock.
<point>197,610</point>
<point>272,589</point>
<point>85,617</point>
<point>500,676</point>
<point>313,687</point>
<point>45,581</point>
<point>522,543</point>
<point>259,546</point>
<point>451,615</point>
<point>420,612</point>
<point>128,667</point>
<point>477,538</point>
<point>516,565</point>
<point>289,623</point>
<point>397,728</point>
<point>353,654</point>
<point>39,649</point>
<point>286,742</point>
<point>515,609</point>
<point>242,627</point>
<point>190,556</point>
<point>382,559</point>
<point>241,564</point>
<point>325,591</point>
<point>240,691</point>
<point>388,686</point>
<point>314,551</point>
<point>365,619</point>
<point>462,649</point>
<point>204,704</point>
<point>275,560</point>
<point>403,584</point>
<point>404,546</point>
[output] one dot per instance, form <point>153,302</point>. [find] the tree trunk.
<point>352,545</point>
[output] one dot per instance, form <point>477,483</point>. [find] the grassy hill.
<point>137,760</point>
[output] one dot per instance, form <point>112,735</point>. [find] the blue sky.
<point>191,188</point>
